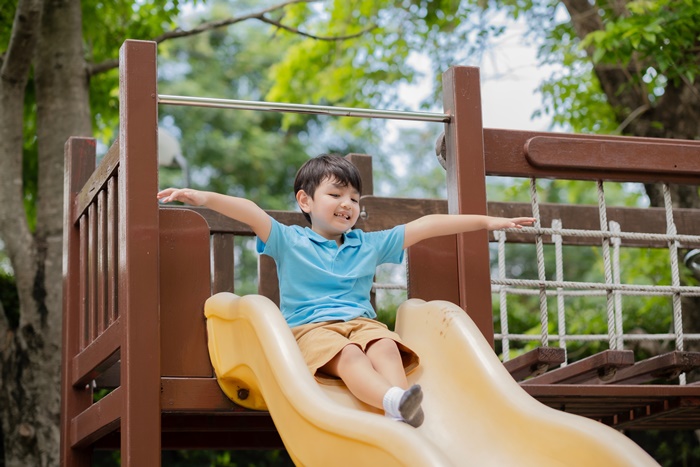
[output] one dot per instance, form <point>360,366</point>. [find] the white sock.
<point>391,401</point>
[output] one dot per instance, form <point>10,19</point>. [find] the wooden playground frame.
<point>136,276</point>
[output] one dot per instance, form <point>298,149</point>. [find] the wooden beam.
<point>603,365</point>
<point>535,362</point>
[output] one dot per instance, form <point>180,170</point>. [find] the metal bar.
<point>302,108</point>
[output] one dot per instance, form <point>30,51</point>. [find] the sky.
<point>510,77</point>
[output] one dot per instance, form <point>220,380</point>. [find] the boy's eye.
<point>334,195</point>
<point>354,200</point>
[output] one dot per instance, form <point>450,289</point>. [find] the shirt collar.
<point>352,238</point>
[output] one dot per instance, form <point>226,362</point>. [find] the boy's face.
<point>334,208</point>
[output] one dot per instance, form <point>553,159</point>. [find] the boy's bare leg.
<point>386,359</point>
<point>366,383</point>
<point>359,375</point>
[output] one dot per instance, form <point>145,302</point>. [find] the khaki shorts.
<point>320,342</point>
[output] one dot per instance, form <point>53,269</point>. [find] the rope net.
<point>611,287</point>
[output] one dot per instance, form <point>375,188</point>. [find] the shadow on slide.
<point>475,413</point>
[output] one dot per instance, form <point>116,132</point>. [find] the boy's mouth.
<point>338,214</point>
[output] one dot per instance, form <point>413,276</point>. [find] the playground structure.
<point>137,275</point>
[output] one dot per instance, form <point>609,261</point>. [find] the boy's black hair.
<point>331,166</point>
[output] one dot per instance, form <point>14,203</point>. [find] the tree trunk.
<point>31,353</point>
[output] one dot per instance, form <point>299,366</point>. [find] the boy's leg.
<point>363,380</point>
<point>386,360</point>
<point>356,370</point>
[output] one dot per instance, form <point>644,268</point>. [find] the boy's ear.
<point>303,200</point>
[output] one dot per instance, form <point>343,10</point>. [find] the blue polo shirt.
<point>321,281</point>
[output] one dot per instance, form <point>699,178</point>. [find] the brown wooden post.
<point>138,254</point>
<point>79,164</point>
<point>363,162</point>
<point>466,190</point>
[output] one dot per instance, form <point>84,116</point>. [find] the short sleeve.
<point>272,246</point>
<point>388,244</point>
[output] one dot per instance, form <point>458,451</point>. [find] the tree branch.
<point>17,60</point>
<point>631,117</point>
<point>311,36</point>
<point>106,65</point>
<point>14,229</point>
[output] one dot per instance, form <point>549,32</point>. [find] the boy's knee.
<point>383,347</point>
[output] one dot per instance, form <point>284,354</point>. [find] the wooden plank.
<point>99,419</point>
<point>102,254</point>
<point>83,279</point>
<point>218,223</point>
<point>612,392</point>
<point>138,250</point>
<point>268,284</point>
<point>432,271</point>
<point>504,155</point>
<point>613,155</point>
<point>363,162</point>
<point>384,213</point>
<point>535,362</point>
<point>112,250</point>
<point>667,366</point>
<point>92,275</point>
<point>194,395</point>
<point>102,353</point>
<point>184,287</point>
<point>602,365</point>
<point>660,411</point>
<point>466,190</point>
<point>79,157</point>
<point>97,181</point>
<point>222,263</point>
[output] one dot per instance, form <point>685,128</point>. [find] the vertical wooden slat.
<point>84,289</point>
<point>466,190</point>
<point>268,283</point>
<point>102,319</point>
<point>222,263</point>
<point>92,272</point>
<point>138,254</point>
<point>363,162</point>
<point>79,164</point>
<point>112,254</point>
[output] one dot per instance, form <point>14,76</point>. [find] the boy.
<point>326,274</point>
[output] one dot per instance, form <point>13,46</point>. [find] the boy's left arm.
<point>435,225</point>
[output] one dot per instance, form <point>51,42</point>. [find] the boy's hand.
<point>497,223</point>
<point>185,195</point>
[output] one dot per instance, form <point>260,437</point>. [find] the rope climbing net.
<point>612,289</point>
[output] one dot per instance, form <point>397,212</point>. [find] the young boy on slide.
<point>326,273</point>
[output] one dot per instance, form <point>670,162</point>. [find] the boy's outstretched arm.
<point>241,209</point>
<point>435,225</point>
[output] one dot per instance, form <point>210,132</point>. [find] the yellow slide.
<point>475,413</point>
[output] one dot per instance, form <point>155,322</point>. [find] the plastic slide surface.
<point>475,413</point>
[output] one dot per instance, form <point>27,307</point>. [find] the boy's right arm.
<point>240,209</point>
